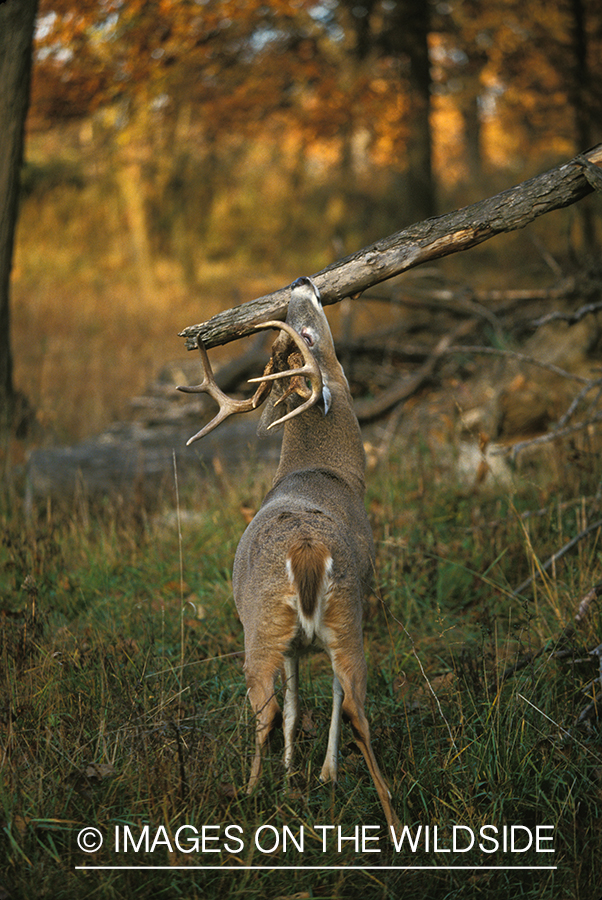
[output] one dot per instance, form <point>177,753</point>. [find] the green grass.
<point>123,705</point>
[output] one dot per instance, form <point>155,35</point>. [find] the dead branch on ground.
<point>571,318</point>
<point>562,648</point>
<point>595,526</point>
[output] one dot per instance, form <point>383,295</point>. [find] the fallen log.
<point>431,239</point>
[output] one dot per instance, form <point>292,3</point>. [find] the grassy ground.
<point>123,704</point>
<point>122,698</point>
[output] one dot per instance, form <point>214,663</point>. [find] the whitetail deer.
<point>304,564</point>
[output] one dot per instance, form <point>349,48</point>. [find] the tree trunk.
<point>580,94</point>
<point>422,196</point>
<point>17,19</point>
<point>471,117</point>
<point>131,186</point>
<point>408,37</point>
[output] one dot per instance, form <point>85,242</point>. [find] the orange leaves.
<point>504,69</point>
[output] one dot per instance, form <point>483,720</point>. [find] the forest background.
<point>185,155</point>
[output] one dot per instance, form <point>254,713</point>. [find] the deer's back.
<point>315,504</point>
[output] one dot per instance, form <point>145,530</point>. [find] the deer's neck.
<point>332,441</point>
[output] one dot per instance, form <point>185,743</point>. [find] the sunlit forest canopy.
<point>415,95</point>
<point>185,155</point>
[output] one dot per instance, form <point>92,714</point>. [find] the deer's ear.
<point>326,397</point>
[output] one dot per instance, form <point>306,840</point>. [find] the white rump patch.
<point>312,627</point>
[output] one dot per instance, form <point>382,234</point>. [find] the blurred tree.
<point>17,18</point>
<point>338,73</point>
<point>406,39</point>
<point>165,76</point>
<point>459,56</point>
<point>387,77</point>
<point>180,91</point>
<point>585,99</point>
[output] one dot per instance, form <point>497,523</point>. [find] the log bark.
<point>431,239</point>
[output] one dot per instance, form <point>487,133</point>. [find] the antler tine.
<point>311,370</point>
<point>227,405</point>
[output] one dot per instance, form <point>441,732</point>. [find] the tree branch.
<point>431,239</point>
<point>595,526</point>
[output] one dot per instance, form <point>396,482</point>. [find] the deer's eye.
<point>307,337</point>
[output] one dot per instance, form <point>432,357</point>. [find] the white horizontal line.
<point>324,868</point>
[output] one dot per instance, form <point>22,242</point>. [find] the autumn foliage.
<point>204,113</point>
<point>501,77</point>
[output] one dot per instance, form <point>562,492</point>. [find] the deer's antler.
<point>310,370</point>
<point>228,406</point>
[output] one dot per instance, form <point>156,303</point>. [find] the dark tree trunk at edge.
<point>17,20</point>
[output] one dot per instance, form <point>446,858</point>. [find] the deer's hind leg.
<point>330,767</point>
<point>349,665</point>
<point>291,708</point>
<point>260,690</point>
<point>265,646</point>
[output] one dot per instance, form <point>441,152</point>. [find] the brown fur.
<point>307,558</point>
<point>310,536</point>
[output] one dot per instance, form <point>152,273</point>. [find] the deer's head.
<point>301,353</point>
